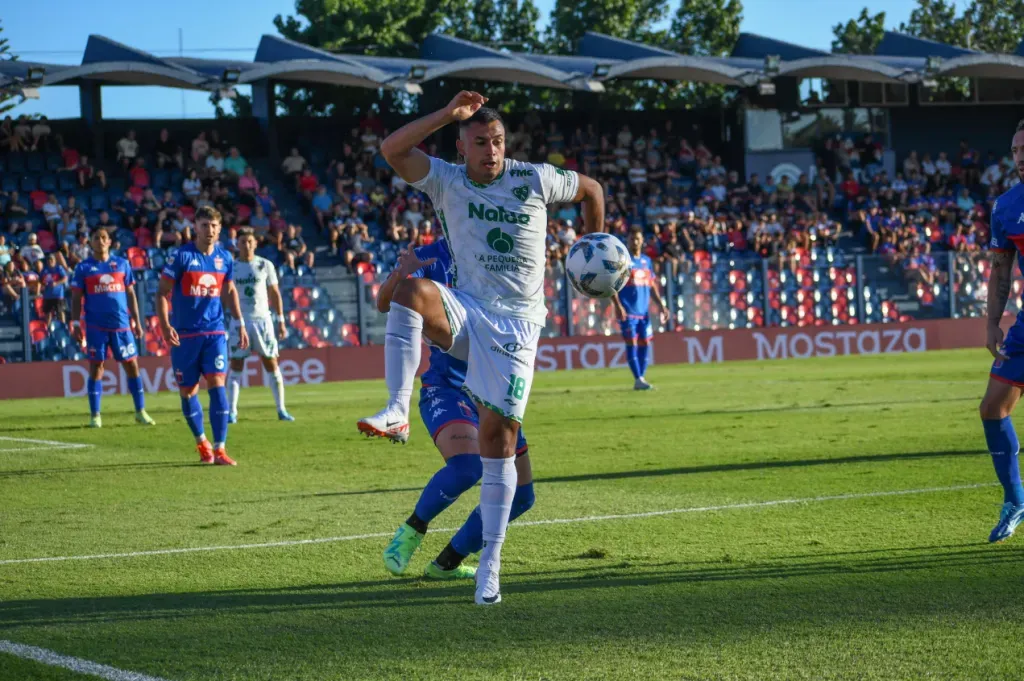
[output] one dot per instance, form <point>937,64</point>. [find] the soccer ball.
<point>598,265</point>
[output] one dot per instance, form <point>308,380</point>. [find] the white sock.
<point>402,348</point>
<point>498,486</point>
<point>277,387</point>
<point>234,385</point>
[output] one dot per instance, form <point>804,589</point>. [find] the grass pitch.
<point>841,581</point>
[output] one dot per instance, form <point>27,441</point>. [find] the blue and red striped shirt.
<point>104,285</point>
<point>198,278</point>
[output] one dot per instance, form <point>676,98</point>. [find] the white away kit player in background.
<point>493,212</point>
<point>256,281</point>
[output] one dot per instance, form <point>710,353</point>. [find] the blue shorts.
<point>121,344</point>
<point>199,356</point>
<point>442,406</point>
<point>637,328</point>
<point>1012,369</point>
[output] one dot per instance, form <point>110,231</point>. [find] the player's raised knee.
<point>414,294</point>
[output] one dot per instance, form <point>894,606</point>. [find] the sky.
<point>56,31</point>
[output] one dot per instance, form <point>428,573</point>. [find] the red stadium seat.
<point>144,238</point>
<point>38,198</point>
<point>37,304</point>
<point>46,240</point>
<point>137,258</point>
<point>244,212</point>
<point>188,212</point>
<point>37,330</point>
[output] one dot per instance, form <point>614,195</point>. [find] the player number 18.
<point>516,386</point>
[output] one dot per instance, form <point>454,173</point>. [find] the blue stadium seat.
<point>48,183</point>
<point>16,163</point>
<point>67,181</point>
<point>35,162</point>
<point>28,183</point>
<point>160,180</point>
<point>54,162</point>
<point>9,183</point>
<point>99,202</point>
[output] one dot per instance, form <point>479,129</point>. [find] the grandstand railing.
<point>709,292</point>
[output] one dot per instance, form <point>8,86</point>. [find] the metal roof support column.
<point>264,109</point>
<point>90,101</point>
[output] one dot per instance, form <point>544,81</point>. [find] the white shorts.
<point>499,352</point>
<point>262,339</point>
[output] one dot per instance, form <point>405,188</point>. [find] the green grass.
<point>881,587</point>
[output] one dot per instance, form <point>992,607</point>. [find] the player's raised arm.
<point>163,309</point>
<point>399,148</point>
<point>591,195</point>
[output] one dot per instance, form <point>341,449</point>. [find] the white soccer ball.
<point>598,265</point>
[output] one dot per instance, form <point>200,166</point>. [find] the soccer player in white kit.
<point>256,281</point>
<point>493,212</point>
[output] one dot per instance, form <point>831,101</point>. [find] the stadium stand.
<point>730,252</point>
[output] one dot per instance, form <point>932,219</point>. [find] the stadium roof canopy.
<point>285,60</point>
<point>804,62</point>
<point>457,58</point>
<point>628,59</point>
<point>955,61</point>
<point>899,59</point>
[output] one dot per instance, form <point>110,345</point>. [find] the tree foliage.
<point>7,97</point>
<point>859,36</point>
<point>397,27</point>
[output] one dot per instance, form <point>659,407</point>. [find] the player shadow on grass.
<point>661,472</point>
<point>888,582</point>
<point>663,413</point>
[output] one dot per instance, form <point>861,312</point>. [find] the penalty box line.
<point>527,523</point>
<point>74,664</point>
<point>38,445</point>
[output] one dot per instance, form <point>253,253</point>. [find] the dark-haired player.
<point>633,303</point>
<point>1007,376</point>
<point>104,288</point>
<point>198,282</point>
<point>493,213</point>
<point>453,422</point>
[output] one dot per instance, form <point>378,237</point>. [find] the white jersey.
<point>496,232</point>
<point>252,279</point>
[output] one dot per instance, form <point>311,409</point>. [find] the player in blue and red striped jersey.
<point>453,421</point>
<point>198,282</point>
<point>632,304</point>
<point>1006,380</point>
<point>103,286</point>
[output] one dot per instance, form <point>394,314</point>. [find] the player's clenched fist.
<point>465,104</point>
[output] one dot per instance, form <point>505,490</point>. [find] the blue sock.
<point>458,475</point>
<point>193,412</point>
<point>634,362</point>
<point>1004,447</point>
<point>138,396</point>
<point>95,390</point>
<point>470,537</point>
<point>641,359</point>
<point>219,414</point>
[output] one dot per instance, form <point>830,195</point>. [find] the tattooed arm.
<point>999,282</point>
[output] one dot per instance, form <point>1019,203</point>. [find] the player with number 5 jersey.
<point>493,212</point>
<point>103,287</point>
<point>256,281</point>
<point>198,281</point>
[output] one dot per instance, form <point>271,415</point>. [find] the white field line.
<point>47,445</point>
<point>528,523</point>
<point>75,664</point>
